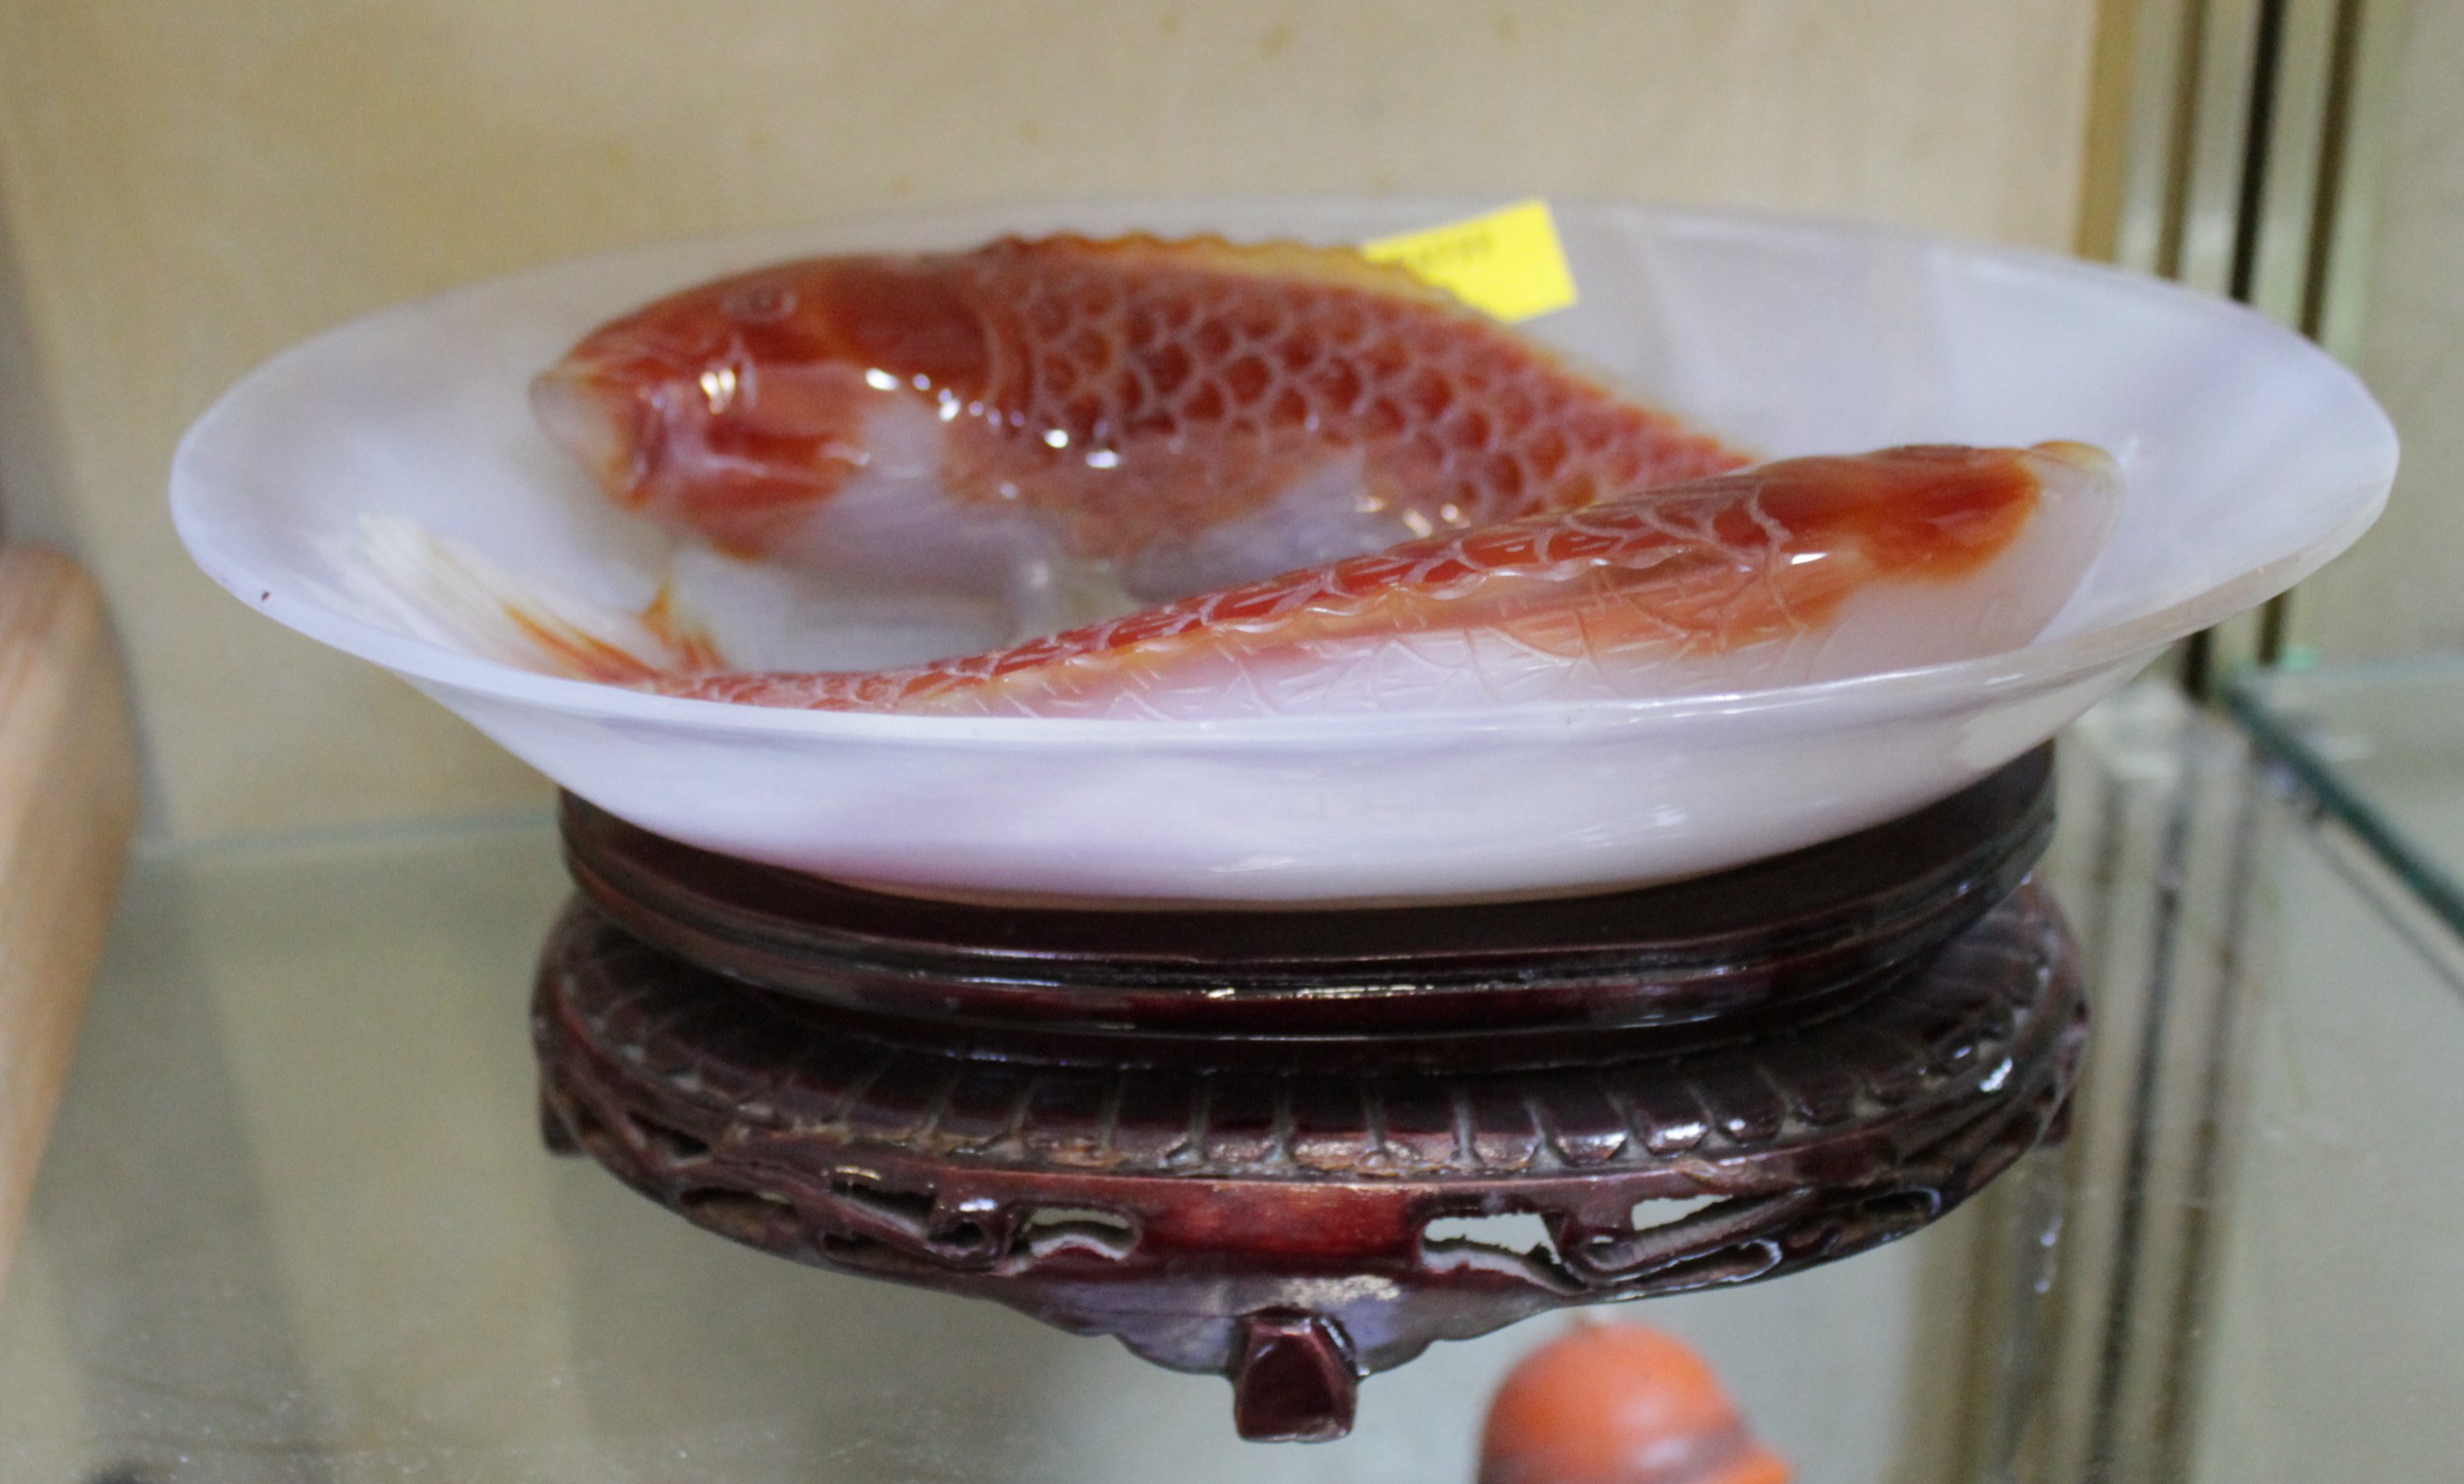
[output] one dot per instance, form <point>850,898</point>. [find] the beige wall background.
<point>188,185</point>
<point>2396,592</point>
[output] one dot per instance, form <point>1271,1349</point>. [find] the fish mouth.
<point>587,420</point>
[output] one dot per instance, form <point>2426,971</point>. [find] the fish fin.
<point>1307,262</point>
<point>445,591</point>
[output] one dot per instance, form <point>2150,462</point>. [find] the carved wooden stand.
<point>1237,1140</point>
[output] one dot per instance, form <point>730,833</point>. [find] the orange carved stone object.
<point>1619,1405</point>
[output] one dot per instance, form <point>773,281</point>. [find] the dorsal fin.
<point>1342,267</point>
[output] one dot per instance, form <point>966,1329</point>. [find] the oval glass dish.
<point>2250,458</point>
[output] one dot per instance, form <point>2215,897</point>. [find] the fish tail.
<point>443,590</point>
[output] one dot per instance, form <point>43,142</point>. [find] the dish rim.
<point>1916,691</point>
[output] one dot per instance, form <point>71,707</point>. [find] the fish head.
<point>727,409</point>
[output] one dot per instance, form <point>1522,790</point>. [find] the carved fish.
<point>1189,415</point>
<point>1279,480</point>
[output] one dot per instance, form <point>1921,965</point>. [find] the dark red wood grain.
<point>1023,1105</point>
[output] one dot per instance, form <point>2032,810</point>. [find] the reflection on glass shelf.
<point>296,1226</point>
<point>2335,1307</point>
<point>2259,1284</point>
<point>2334,1313</point>
<point>2382,747</point>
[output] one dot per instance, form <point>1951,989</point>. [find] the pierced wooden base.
<point>1147,1127</point>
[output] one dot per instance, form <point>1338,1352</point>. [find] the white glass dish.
<point>2250,459</point>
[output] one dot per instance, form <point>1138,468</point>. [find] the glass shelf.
<point>2382,747</point>
<point>295,1225</point>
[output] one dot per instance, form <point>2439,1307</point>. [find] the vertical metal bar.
<point>2274,618</point>
<point>2105,1442</point>
<point>2146,55</point>
<point>2298,149</point>
<point>2366,37</point>
<point>2216,157</point>
<point>2267,67</point>
<point>2203,191</point>
<point>2336,125</point>
<point>2293,218</point>
<point>2259,202</point>
<point>2198,663</point>
<point>2105,871</point>
<point>2190,68</point>
<point>2289,202</point>
<point>2203,1184</point>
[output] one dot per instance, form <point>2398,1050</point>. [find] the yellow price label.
<point>1507,262</point>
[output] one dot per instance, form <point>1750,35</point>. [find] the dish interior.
<point>2249,458</point>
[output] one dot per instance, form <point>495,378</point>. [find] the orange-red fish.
<point>1805,570</point>
<point>1619,1405</point>
<point>1189,415</point>
<point>1277,478</point>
